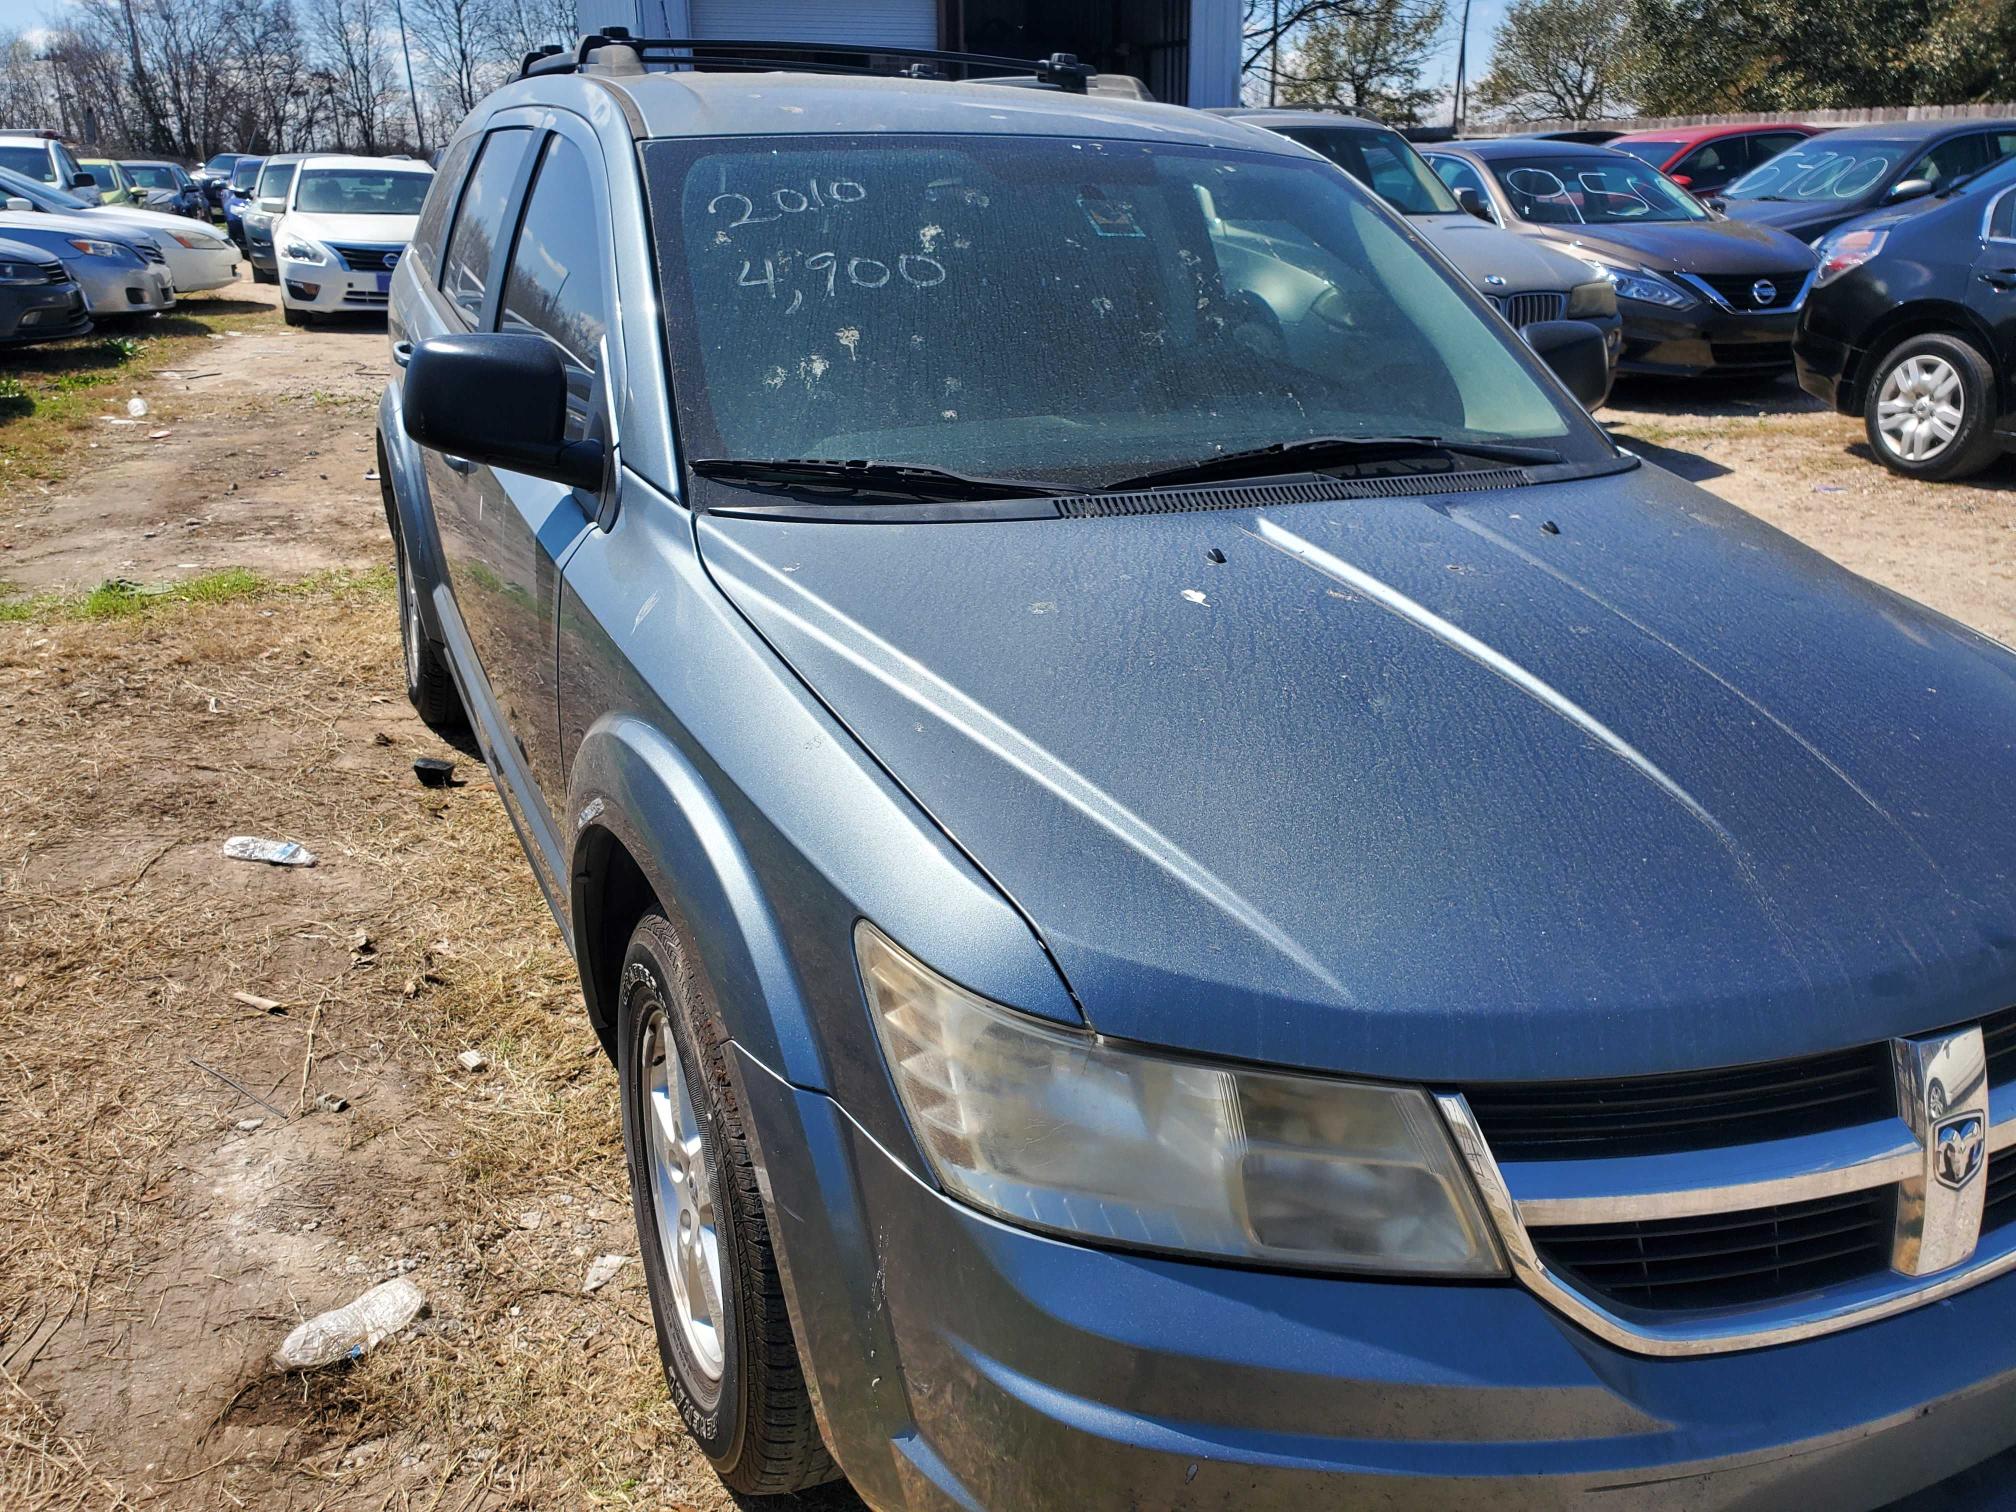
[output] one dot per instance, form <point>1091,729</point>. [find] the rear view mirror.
<point>1911,188</point>
<point>499,399</point>
<point>1473,203</point>
<point>1575,350</point>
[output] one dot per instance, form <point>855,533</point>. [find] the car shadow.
<point>208,304</point>
<point>1682,464</point>
<point>834,1496</point>
<point>2000,477</point>
<point>1714,398</point>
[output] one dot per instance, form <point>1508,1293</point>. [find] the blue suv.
<point>1200,894</point>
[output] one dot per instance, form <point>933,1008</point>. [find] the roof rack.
<point>1058,71</point>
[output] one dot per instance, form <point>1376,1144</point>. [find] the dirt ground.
<point>184,1175</point>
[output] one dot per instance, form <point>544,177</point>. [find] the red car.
<point>1704,158</point>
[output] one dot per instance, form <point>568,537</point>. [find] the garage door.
<point>892,23</point>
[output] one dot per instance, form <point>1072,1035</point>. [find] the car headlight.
<point>300,249</point>
<point>196,241</point>
<point>1647,288</point>
<point>1063,1131</point>
<point>21,273</point>
<point>1844,251</point>
<point>113,250</point>
<point>1596,298</point>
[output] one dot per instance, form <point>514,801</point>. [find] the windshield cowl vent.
<point>1259,495</point>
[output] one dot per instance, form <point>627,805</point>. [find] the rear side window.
<point>479,223</point>
<point>2002,219</point>
<point>1722,159</point>
<point>554,286</point>
<point>1952,159</point>
<point>441,201</point>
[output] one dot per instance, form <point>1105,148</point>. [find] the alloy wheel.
<point>683,1199</point>
<point>409,620</point>
<point>1920,407</point>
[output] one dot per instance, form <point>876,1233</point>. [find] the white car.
<point>345,225</point>
<point>42,156</point>
<point>199,256</point>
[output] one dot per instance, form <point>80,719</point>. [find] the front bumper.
<point>960,1363</point>
<point>336,289</point>
<point>1703,339</point>
<point>44,312</point>
<point>1827,368</point>
<point>113,288</point>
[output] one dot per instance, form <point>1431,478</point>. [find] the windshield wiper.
<point>900,480</point>
<point>1259,461</point>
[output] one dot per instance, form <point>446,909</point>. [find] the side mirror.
<point>19,205</point>
<point>270,205</point>
<point>1473,203</point>
<point>499,399</point>
<point>1910,189</point>
<point>1575,350</point>
<point>83,181</point>
<point>1715,202</point>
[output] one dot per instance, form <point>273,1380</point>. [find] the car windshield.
<point>1593,191</point>
<point>1653,152</point>
<point>246,173</point>
<point>361,191</point>
<point>41,196</point>
<point>1828,168</point>
<point>1384,162</point>
<point>29,161</point>
<point>275,180</point>
<point>221,162</point>
<point>152,175</point>
<point>1048,308</point>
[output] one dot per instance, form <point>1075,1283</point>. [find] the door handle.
<point>402,353</point>
<point>457,464</point>
<point>2003,279</point>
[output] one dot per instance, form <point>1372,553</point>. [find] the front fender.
<point>409,511</point>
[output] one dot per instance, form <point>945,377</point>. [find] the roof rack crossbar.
<point>1061,70</point>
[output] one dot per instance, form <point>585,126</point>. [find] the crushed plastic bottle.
<point>273,852</point>
<point>344,1333</point>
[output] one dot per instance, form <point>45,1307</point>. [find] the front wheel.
<point>724,1335</point>
<point>1931,409</point>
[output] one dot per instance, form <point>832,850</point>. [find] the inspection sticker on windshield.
<point>1108,217</point>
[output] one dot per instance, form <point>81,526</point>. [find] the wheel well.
<point>611,893</point>
<point>385,494</point>
<point>1934,321</point>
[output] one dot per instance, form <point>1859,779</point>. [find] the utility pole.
<point>1456,111</point>
<point>405,48</point>
<point>1274,63</point>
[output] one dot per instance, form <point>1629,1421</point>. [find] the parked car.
<point>115,187</point>
<point>237,194</point>
<point>269,202</point>
<point>1593,136</point>
<point>41,156</point>
<point>1703,159</point>
<point>1699,293</point>
<point>39,298</point>
<point>198,255</point>
<point>1912,325</point>
<point>1167,937</point>
<point>120,268</point>
<point>214,175</point>
<point>1810,189</point>
<point>168,188</point>
<point>346,223</point>
<point>1524,279</point>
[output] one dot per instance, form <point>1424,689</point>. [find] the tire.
<point>1930,410</point>
<point>292,316</point>
<point>726,1344</point>
<point>430,687</point>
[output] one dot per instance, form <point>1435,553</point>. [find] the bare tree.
<point>1559,60</point>
<point>352,40</point>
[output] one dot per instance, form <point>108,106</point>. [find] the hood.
<point>156,221</point>
<point>36,222</point>
<point>1481,251</point>
<point>1800,218</point>
<point>1716,246</point>
<point>17,251</point>
<point>351,230</point>
<point>1415,788</point>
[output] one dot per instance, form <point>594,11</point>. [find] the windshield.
<point>1384,162</point>
<point>1044,308</point>
<point>1655,152</point>
<point>246,173</point>
<point>221,162</point>
<point>152,175</point>
<point>42,196</point>
<point>275,180</point>
<point>1828,168</point>
<point>30,162</point>
<point>1592,191</point>
<point>362,191</point>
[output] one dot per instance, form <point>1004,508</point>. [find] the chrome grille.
<point>1739,290</point>
<point>1523,309</point>
<point>368,259</point>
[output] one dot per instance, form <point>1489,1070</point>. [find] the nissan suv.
<point>1200,894</point>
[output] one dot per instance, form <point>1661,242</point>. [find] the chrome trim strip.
<point>1866,1300</point>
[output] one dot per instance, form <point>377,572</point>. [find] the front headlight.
<point>1066,1132</point>
<point>112,250</point>
<point>1844,251</point>
<point>197,242</point>
<point>1647,288</point>
<point>1587,299</point>
<point>21,273</point>
<point>300,249</point>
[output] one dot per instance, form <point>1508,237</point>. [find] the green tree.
<point>1368,60</point>
<point>1559,60</point>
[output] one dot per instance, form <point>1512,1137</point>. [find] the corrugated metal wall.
<point>893,23</point>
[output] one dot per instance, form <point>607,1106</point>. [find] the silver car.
<point>121,268</point>
<point>39,300</point>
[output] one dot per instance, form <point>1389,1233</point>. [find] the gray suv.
<point>1201,896</point>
